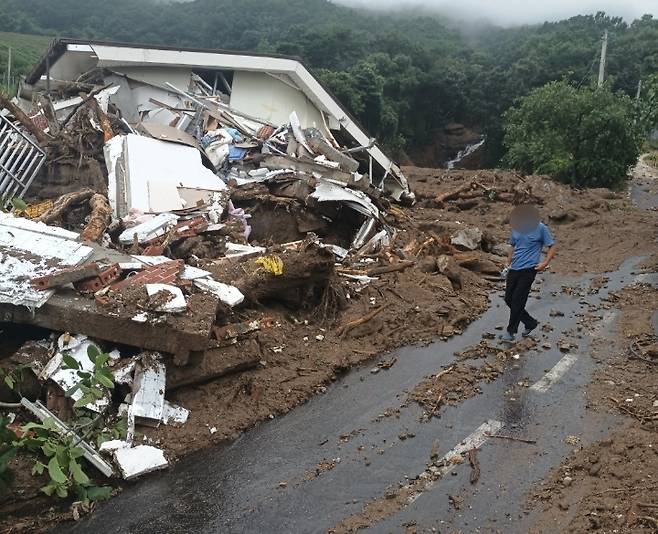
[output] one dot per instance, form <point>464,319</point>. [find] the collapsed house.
<point>165,188</point>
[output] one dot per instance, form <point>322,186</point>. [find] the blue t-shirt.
<point>528,247</point>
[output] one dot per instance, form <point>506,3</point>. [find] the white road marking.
<point>561,367</point>
<point>473,441</point>
<point>608,317</point>
<point>644,278</point>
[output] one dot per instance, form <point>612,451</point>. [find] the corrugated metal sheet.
<point>30,249</point>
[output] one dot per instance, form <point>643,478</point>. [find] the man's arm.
<point>547,261</point>
<point>510,255</point>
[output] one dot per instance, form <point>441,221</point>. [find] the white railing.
<point>20,160</point>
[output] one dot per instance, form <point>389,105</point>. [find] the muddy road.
<point>364,456</point>
<point>318,465</point>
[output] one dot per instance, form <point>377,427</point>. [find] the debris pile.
<point>145,209</point>
<point>167,227</point>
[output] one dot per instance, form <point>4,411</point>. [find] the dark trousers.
<point>516,295</point>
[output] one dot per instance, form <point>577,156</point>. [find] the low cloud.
<point>515,12</point>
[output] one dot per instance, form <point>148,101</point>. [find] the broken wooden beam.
<point>101,214</point>
<point>317,142</point>
<point>63,203</point>
<point>204,367</point>
<point>455,193</point>
<point>309,167</point>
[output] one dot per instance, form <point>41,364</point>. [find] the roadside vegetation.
<point>56,455</point>
<point>585,137</point>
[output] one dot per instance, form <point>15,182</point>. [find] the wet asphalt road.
<point>235,488</point>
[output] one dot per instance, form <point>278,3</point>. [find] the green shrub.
<point>586,137</point>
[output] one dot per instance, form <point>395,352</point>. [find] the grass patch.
<point>26,50</point>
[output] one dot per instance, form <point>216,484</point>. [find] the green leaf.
<point>99,493</point>
<point>31,444</point>
<point>93,352</point>
<point>49,489</point>
<point>76,452</point>
<point>49,424</point>
<point>101,360</point>
<point>83,401</point>
<point>70,362</point>
<point>61,491</point>
<point>9,381</point>
<point>55,471</point>
<point>18,204</point>
<point>38,468</point>
<point>78,474</point>
<point>103,378</point>
<point>49,449</point>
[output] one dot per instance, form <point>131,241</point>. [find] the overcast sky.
<point>510,12</point>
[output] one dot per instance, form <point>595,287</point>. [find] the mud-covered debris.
<point>139,460</point>
<point>166,298</point>
<point>174,415</point>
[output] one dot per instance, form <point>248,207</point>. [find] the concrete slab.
<point>68,311</point>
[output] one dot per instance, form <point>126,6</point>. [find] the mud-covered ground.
<point>301,351</point>
<point>612,485</point>
<point>596,229</point>
<point>300,356</point>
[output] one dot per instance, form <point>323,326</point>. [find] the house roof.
<point>59,46</point>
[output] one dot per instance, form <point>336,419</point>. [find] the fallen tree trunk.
<point>63,203</point>
<point>101,213</point>
<point>395,267</point>
<point>451,195</point>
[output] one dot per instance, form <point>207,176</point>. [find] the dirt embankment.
<point>611,486</point>
<point>436,292</point>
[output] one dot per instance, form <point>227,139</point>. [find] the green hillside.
<point>25,51</point>
<point>405,76</point>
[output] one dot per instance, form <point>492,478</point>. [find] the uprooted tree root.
<point>332,302</point>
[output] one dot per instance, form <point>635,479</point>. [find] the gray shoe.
<point>506,336</point>
<point>527,331</point>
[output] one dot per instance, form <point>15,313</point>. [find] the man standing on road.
<point>529,237</point>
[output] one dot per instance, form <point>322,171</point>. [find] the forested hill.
<point>404,75</point>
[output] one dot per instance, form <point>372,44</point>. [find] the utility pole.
<point>604,54</point>
<point>9,67</point>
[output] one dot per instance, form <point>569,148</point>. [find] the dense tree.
<point>583,136</point>
<point>402,75</point>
